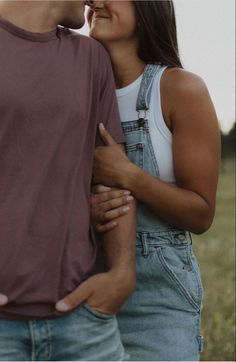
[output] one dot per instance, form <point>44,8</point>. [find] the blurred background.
<point>206,33</point>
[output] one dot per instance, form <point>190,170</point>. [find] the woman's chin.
<point>98,35</point>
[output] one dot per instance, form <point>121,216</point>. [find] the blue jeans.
<point>82,335</point>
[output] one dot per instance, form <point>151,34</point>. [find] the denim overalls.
<point>161,320</point>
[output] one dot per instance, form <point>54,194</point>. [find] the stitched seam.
<point>49,340</point>
<point>176,281</point>
<point>150,145</point>
<point>197,279</point>
<point>31,329</point>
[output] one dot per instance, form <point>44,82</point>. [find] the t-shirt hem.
<point>30,312</point>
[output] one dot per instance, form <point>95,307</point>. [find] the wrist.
<point>126,179</point>
<point>131,175</point>
<point>124,276</point>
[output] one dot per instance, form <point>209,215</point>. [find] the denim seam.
<point>140,153</point>
<point>145,251</point>
<point>135,146</point>
<point>198,282</point>
<point>156,167</point>
<point>176,281</point>
<point>144,94</point>
<point>49,339</point>
<point>33,355</point>
<point>97,314</point>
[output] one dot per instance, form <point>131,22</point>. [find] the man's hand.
<point>107,205</point>
<point>104,292</point>
<point>3,300</point>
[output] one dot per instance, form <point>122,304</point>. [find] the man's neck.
<point>127,66</point>
<point>33,16</point>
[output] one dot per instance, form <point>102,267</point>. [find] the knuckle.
<point>121,211</point>
<point>106,217</point>
<point>109,204</point>
<point>101,229</point>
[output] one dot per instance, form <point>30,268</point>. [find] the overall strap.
<point>145,90</point>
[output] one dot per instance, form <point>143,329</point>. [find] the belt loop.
<point>190,237</point>
<point>145,252</point>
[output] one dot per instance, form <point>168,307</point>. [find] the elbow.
<point>201,228</point>
<point>203,223</point>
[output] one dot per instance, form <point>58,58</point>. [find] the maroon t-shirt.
<point>54,90</point>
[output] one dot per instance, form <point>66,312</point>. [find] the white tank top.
<point>161,137</point>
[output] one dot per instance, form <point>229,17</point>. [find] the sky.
<point>206,35</point>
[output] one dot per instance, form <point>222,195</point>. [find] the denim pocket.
<point>96,313</point>
<point>135,153</point>
<point>180,267</point>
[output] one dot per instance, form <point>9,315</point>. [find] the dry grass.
<point>216,254</point>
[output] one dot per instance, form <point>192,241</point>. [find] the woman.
<point>171,168</point>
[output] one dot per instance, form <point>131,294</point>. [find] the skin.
<point>104,292</point>
<point>189,114</point>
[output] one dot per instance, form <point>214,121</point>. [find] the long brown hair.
<point>157,33</point>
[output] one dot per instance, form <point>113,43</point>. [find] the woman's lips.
<point>100,18</point>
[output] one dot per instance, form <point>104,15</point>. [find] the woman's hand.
<point>110,162</point>
<point>107,205</point>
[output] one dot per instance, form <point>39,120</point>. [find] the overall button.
<point>181,236</point>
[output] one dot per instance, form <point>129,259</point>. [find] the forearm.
<point>119,244</point>
<point>178,206</point>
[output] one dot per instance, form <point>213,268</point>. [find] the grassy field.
<point>215,251</point>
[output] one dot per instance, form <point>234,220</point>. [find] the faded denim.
<point>161,320</point>
<point>83,335</point>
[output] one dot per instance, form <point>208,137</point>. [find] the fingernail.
<point>101,126</point>
<point>62,307</point>
<point>3,299</point>
<point>129,198</point>
<point>127,192</point>
<point>126,209</point>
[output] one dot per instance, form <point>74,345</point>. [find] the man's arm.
<point>106,292</point>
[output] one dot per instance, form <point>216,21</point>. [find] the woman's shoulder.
<point>180,82</point>
<point>183,94</point>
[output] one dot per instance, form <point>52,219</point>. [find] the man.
<point>56,87</point>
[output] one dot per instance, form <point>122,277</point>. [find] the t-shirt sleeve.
<point>108,107</point>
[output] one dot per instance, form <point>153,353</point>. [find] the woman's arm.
<point>190,204</point>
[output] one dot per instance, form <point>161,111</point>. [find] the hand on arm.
<point>107,205</point>
<point>190,203</point>
<point>106,292</point>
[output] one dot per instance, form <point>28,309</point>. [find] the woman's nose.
<point>89,2</point>
<point>95,4</point>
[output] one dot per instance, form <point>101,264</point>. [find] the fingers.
<point>107,138</point>
<point>103,228</point>
<point>111,209</point>
<point>97,189</point>
<point>105,220</point>
<point>3,299</point>
<point>74,299</point>
<point>97,199</point>
<point>100,188</point>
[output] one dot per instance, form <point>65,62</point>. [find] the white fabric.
<point>161,136</point>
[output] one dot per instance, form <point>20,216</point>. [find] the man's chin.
<point>73,25</point>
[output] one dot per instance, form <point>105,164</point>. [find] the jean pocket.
<point>177,264</point>
<point>96,313</point>
<point>135,153</point>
